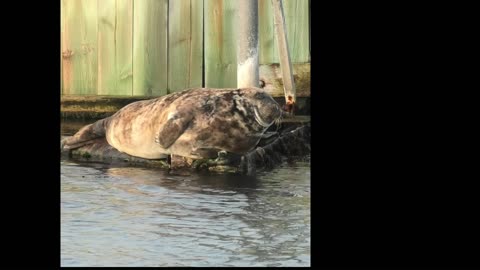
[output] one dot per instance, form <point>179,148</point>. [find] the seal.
<point>196,123</point>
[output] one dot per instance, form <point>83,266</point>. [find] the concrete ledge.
<point>271,77</point>
<point>94,107</point>
<point>98,107</point>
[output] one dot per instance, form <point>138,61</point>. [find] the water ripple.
<point>123,216</point>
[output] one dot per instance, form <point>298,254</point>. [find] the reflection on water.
<point>124,216</point>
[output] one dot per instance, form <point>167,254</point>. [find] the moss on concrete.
<point>84,108</point>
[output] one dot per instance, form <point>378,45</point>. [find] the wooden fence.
<point>155,47</point>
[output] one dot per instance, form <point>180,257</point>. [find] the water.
<point>127,216</point>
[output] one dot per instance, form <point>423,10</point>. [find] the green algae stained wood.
<point>79,47</point>
<point>115,43</point>
<point>164,62</point>
<point>296,20</point>
<point>185,25</point>
<point>296,14</point>
<point>266,33</point>
<point>150,47</point>
<point>220,45</point>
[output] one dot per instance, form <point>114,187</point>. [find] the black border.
<point>31,133</point>
<point>388,189</point>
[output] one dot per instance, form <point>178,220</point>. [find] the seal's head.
<point>265,109</point>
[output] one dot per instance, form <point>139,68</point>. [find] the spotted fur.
<point>195,123</point>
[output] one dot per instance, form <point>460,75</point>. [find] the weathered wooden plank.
<point>106,46</point>
<point>79,43</point>
<point>150,47</point>
<point>115,47</point>
<point>283,49</point>
<point>67,80</point>
<point>220,45</point>
<point>309,30</point>
<point>185,44</point>
<point>124,46</point>
<point>266,34</point>
<point>296,20</point>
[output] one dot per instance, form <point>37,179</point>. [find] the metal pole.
<point>247,44</point>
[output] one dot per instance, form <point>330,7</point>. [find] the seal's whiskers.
<point>278,122</point>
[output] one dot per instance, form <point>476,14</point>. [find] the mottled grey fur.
<point>195,123</point>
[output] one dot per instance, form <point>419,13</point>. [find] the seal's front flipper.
<point>84,136</point>
<point>173,128</point>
